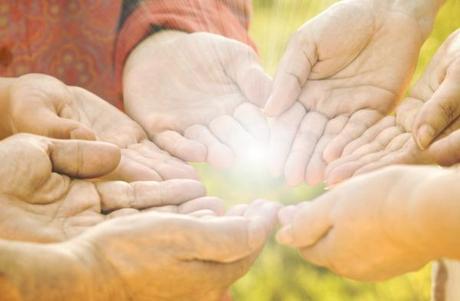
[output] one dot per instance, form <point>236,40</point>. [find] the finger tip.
<point>284,236</point>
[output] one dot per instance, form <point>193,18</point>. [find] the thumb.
<point>308,224</point>
<point>293,72</point>
<point>232,238</point>
<point>83,159</point>
<point>446,151</point>
<point>47,123</point>
<point>440,111</point>
<point>254,82</point>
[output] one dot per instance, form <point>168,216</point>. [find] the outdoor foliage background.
<point>280,274</point>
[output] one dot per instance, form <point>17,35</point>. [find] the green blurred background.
<point>279,273</point>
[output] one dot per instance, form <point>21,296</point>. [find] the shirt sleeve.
<point>229,18</point>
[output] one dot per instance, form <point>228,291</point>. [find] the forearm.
<point>49,272</point>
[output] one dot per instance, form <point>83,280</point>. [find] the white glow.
<point>255,157</point>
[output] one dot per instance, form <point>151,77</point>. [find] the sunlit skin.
<point>434,101</point>
<point>198,96</point>
<point>380,225</point>
<point>147,256</point>
<point>342,72</point>
<point>42,105</point>
<point>46,194</point>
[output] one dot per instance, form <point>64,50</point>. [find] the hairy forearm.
<point>50,273</point>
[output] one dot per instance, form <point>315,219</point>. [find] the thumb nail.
<point>425,136</point>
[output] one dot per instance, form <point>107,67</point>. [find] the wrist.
<point>423,11</point>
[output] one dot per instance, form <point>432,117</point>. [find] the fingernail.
<point>284,236</point>
<point>425,135</point>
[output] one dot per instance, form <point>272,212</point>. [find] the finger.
<point>83,159</point>
<point>203,213</point>
<point>164,164</point>
<point>446,151</point>
<point>440,111</point>
<point>309,224</point>
<point>403,151</point>
<point>252,119</point>
<point>231,238</point>
<point>237,210</point>
<point>181,147</point>
<point>293,72</point>
<point>231,133</point>
<point>355,127</point>
<point>407,113</point>
<point>253,81</point>
<point>320,254</point>
<point>286,215</point>
<point>381,155</point>
<point>370,135</point>
<point>317,166</point>
<point>142,195</point>
<point>213,204</point>
<point>378,145</point>
<point>122,212</point>
<point>130,170</point>
<point>45,122</point>
<point>284,130</point>
<point>218,154</point>
<point>310,131</point>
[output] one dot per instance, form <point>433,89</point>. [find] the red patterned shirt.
<point>86,42</point>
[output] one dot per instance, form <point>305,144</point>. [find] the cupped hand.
<point>370,228</point>
<point>425,129</point>
<point>157,256</point>
<point>42,105</point>
<point>342,72</point>
<point>198,96</point>
<point>45,194</point>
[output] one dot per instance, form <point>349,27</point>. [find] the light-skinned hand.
<point>46,194</point>
<point>42,105</point>
<point>342,72</point>
<point>379,225</point>
<point>397,140</point>
<point>198,96</point>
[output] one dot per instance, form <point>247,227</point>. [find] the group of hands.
<point>71,161</point>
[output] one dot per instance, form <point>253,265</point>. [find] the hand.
<point>197,95</point>
<point>441,89</point>
<point>171,257</point>
<point>342,72</point>
<point>44,195</point>
<point>376,226</point>
<point>434,100</point>
<point>43,105</point>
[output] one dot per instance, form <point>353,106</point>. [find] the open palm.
<point>342,72</point>
<point>198,95</point>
